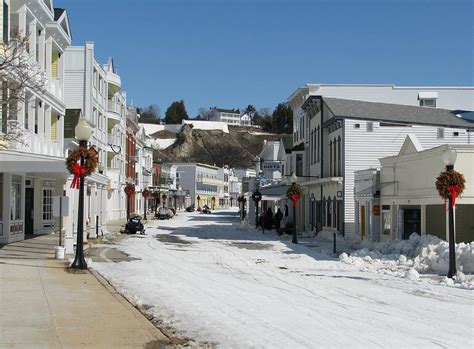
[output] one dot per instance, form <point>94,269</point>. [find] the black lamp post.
<point>146,194</point>
<point>128,193</point>
<point>312,199</point>
<point>83,132</point>
<point>449,158</point>
<point>256,197</point>
<point>198,198</point>
<point>294,239</point>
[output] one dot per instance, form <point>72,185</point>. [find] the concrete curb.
<point>155,331</point>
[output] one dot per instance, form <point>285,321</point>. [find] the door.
<point>412,222</point>
<point>362,221</point>
<point>29,213</point>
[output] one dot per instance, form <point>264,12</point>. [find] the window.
<point>1,197</point>
<point>356,125</point>
<point>428,102</point>
<point>5,22</point>
<point>440,132</point>
<point>370,126</point>
<point>386,222</point>
<point>455,134</point>
<point>330,158</point>
<point>339,155</point>
<point>47,204</point>
<point>15,198</point>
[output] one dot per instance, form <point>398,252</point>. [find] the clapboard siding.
<point>74,89</point>
<point>363,149</point>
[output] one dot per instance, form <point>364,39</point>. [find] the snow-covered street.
<point>215,281</point>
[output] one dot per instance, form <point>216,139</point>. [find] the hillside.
<point>237,148</point>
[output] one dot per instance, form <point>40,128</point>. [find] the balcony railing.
<point>114,107</point>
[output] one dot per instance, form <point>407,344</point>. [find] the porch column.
<point>31,114</point>
<point>40,110</point>
<point>47,123</point>
<point>48,57</point>
<point>32,38</point>
<point>22,21</point>
<point>356,218</point>
<point>7,179</point>
<point>41,46</point>
<point>423,220</point>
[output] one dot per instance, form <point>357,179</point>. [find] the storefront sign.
<point>376,210</point>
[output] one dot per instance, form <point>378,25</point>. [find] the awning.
<point>17,162</point>
<point>274,192</point>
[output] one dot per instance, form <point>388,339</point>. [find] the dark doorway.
<point>29,213</point>
<point>412,222</point>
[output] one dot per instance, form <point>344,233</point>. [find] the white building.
<point>341,136</point>
<point>203,183</point>
<point>32,171</point>
<point>94,90</point>
<point>409,201</point>
<point>452,98</point>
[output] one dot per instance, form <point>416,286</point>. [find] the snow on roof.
<point>208,125</point>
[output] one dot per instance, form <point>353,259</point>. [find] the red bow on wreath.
<point>78,172</point>
<point>454,190</point>
<point>295,198</point>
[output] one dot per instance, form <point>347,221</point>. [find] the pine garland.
<point>447,179</point>
<point>90,159</point>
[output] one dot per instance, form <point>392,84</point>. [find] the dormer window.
<point>428,99</point>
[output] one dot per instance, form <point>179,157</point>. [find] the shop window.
<point>1,197</point>
<point>47,204</point>
<point>15,198</point>
<point>386,223</point>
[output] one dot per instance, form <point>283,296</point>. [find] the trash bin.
<point>59,252</point>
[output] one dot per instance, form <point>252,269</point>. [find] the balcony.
<point>55,88</point>
<point>209,180</point>
<point>114,110</point>
<point>113,139</point>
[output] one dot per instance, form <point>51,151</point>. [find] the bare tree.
<point>204,114</point>
<point>19,73</point>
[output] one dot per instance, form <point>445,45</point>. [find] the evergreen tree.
<point>176,112</point>
<point>282,119</point>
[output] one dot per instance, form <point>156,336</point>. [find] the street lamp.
<point>449,158</point>
<point>128,192</point>
<point>294,239</point>
<point>83,132</point>
<point>256,197</point>
<point>145,194</point>
<point>312,199</point>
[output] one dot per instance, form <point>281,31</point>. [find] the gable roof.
<point>410,145</point>
<point>396,113</point>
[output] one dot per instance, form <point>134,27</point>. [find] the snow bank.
<point>163,143</point>
<point>421,254</point>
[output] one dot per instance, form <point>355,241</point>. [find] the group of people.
<point>278,221</point>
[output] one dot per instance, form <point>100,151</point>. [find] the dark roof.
<point>57,13</point>
<point>235,111</point>
<point>287,143</point>
<point>299,147</point>
<point>396,113</point>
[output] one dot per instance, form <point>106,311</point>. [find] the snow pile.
<point>417,254</point>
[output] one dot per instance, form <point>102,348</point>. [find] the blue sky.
<point>230,53</point>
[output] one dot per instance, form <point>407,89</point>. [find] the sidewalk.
<point>44,306</point>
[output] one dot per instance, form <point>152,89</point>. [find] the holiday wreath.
<point>450,184</point>
<point>90,164</point>
<point>129,189</point>
<point>294,193</point>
